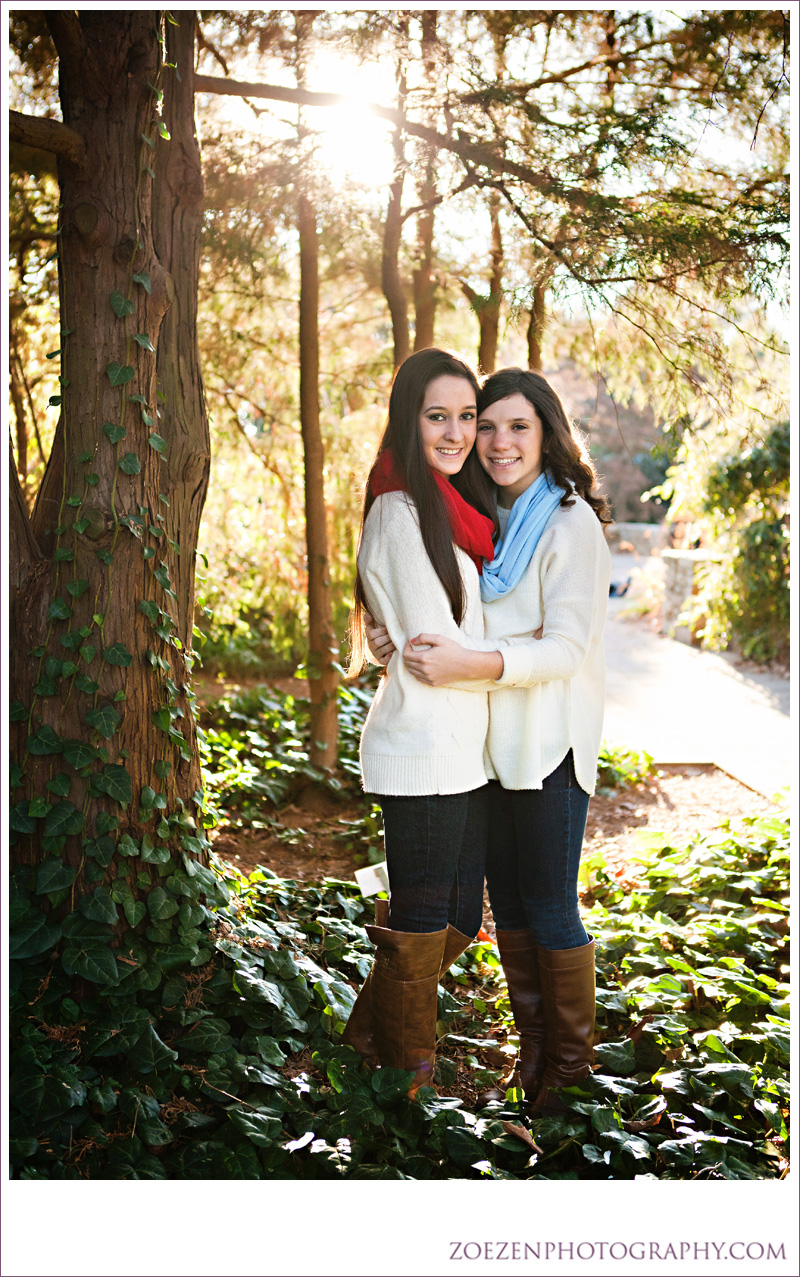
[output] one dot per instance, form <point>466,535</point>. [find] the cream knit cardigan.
<point>418,739</point>
<point>549,698</point>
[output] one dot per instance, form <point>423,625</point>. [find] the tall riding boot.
<point>403,990</point>
<point>455,943</point>
<point>358,1030</point>
<point>519,955</point>
<point>569,1008</point>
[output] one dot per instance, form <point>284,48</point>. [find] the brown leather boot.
<point>358,1031</point>
<point>519,955</point>
<point>403,988</point>
<point>567,977</point>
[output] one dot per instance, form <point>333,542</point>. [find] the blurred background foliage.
<point>640,264</point>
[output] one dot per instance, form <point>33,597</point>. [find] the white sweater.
<point>549,698</point>
<point>418,739</point>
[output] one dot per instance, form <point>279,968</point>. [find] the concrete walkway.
<point>683,705</point>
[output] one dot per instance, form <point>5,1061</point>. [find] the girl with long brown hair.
<point>422,546</point>
<point>549,576</point>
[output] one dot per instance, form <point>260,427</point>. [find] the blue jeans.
<point>436,857</point>
<point>533,855</point>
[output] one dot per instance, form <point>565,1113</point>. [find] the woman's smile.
<point>447,423</point>
<point>509,445</point>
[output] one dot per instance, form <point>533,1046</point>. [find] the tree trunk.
<point>536,326</point>
<point>102,578</point>
<point>22,429</point>
<point>424,282</point>
<point>322,646</point>
<point>487,309</point>
<point>391,279</point>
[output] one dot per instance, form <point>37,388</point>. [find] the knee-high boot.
<point>358,1031</point>
<point>567,977</point>
<point>403,990</point>
<point>519,955</point>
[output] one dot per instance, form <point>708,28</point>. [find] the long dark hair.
<point>402,435</point>
<point>562,454</point>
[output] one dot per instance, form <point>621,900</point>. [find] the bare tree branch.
<point>461,145</point>
<point>47,135</point>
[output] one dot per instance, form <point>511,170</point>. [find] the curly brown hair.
<point>562,454</point>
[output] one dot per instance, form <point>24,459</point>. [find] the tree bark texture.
<point>536,327</point>
<point>487,308</point>
<point>391,279</point>
<point>322,646</point>
<point>103,573</point>
<point>424,281</point>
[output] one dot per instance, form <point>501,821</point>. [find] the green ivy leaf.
<point>33,937</point>
<point>150,609</point>
<point>59,784</point>
<point>99,907</point>
<point>161,905</point>
<point>88,652</point>
<point>87,685</point>
<point>116,782</point>
<point>143,278</point>
<point>78,755</point>
<point>45,687</point>
<point>148,552</point>
<point>159,444</point>
<point>19,820</point>
<point>163,130</point>
<point>38,807</point>
<point>118,654</point>
<point>115,433</point>
<point>144,341</point>
<point>17,712</point>
<point>147,419</point>
<point>137,399</point>
<point>74,501</point>
<point>64,819</point>
<point>15,775</point>
<point>135,911</point>
<point>98,965</point>
<point>150,1053</point>
<point>105,556</point>
<point>162,768</point>
<point>63,556</point>
<point>127,847</point>
<point>59,610</point>
<point>54,875</point>
<point>153,853</point>
<point>130,463</point>
<point>44,742</point>
<point>121,305</point>
<point>162,576</point>
<point>161,718</point>
<point>79,587</point>
<point>92,479</point>
<point>119,374</point>
<point>104,720</point>
<point>147,798</point>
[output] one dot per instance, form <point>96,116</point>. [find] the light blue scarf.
<point>514,550</point>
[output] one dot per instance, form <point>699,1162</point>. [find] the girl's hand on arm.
<point>380,645</point>
<point>436,660</point>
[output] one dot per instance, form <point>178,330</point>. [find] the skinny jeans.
<point>436,858</point>
<point>533,856</point>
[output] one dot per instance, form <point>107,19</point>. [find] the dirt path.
<point>680,802</point>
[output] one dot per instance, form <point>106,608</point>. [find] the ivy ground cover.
<point>226,1061</point>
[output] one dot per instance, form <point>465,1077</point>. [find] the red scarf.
<point>471,531</point>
